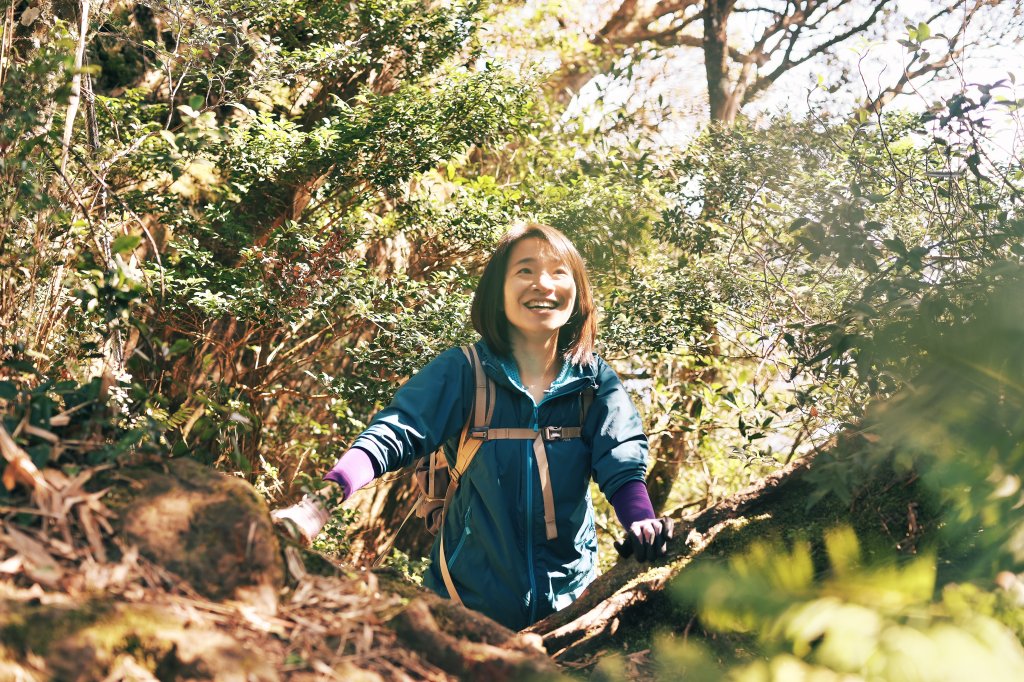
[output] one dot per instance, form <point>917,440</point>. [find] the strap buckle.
<point>478,433</point>
<point>552,433</point>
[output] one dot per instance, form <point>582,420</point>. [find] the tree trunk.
<point>672,454</point>
<point>716,59</point>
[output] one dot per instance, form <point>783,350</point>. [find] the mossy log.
<point>630,602</point>
<point>102,639</point>
<point>596,617</point>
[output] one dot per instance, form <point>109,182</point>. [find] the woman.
<point>519,533</point>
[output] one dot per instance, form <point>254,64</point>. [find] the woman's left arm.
<point>619,465</point>
<point>615,433</point>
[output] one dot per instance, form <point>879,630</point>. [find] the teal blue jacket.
<point>498,554</point>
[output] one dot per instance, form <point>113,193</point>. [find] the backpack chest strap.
<point>548,433</point>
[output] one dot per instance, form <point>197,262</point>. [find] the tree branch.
<point>956,50</point>
<point>761,83</point>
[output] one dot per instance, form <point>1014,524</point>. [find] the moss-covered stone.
<point>211,529</point>
<point>74,642</point>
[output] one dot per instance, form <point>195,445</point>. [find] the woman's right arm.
<point>427,410</point>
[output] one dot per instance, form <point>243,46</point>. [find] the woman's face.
<point>540,292</point>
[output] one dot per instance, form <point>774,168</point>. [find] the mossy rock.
<point>211,529</point>
<point>104,640</point>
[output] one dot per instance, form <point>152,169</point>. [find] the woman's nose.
<point>544,282</point>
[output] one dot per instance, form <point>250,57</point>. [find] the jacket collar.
<point>571,379</point>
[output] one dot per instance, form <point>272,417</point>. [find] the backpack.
<point>437,482</point>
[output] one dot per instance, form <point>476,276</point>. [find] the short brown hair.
<point>576,339</point>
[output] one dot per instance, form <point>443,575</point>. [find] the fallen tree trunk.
<point>516,658</point>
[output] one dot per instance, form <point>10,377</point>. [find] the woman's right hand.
<point>304,520</point>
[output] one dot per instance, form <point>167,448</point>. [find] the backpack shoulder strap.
<point>477,423</point>
<point>483,407</point>
<point>586,400</point>
<point>483,410</point>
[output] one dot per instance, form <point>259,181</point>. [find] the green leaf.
<point>923,31</point>
<point>39,453</point>
<point>65,387</point>
<point>241,462</point>
<point>179,346</point>
<point>126,243</point>
<point>196,102</point>
<point>22,366</point>
<point>8,391</point>
<point>897,245</point>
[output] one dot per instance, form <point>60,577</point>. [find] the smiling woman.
<point>517,541</point>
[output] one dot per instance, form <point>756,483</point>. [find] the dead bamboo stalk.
<point>76,86</point>
<point>6,43</point>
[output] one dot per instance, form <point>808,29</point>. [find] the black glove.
<point>647,540</point>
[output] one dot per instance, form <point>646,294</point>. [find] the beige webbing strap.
<point>482,410</point>
<point>435,464</point>
<point>468,447</point>
<point>506,434</point>
<point>540,452</point>
<point>548,433</point>
<point>490,404</point>
<point>446,575</point>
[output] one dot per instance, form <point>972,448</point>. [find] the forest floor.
<point>200,592</point>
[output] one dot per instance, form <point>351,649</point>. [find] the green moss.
<point>83,642</point>
<point>212,530</point>
<point>80,641</point>
<point>26,628</point>
<point>885,518</point>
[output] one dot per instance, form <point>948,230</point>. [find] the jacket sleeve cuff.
<point>632,503</point>
<point>353,470</point>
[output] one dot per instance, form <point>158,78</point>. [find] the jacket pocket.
<point>466,532</point>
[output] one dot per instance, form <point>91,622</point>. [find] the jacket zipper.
<point>535,425</point>
<point>462,540</point>
<point>529,515</point>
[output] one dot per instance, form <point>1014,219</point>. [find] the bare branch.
<point>788,63</point>
<point>956,51</point>
<point>622,17</point>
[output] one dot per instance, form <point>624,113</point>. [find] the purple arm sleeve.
<point>632,503</point>
<point>354,470</point>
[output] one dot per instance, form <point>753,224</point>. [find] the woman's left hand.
<point>647,540</point>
